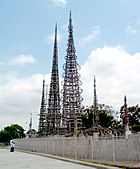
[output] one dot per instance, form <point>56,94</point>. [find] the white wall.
<point>103,149</point>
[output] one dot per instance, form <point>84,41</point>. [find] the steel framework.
<point>126,120</point>
<point>95,106</point>
<point>53,111</point>
<point>42,115</point>
<point>30,126</point>
<point>71,92</point>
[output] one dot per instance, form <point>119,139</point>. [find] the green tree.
<point>87,117</point>
<point>106,118</point>
<point>4,136</point>
<point>11,132</point>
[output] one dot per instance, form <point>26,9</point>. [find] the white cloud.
<point>117,74</point>
<point>61,3</point>
<point>22,60</point>
<point>133,27</point>
<point>19,97</point>
<point>91,36</point>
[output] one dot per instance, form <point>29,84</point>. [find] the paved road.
<point>20,160</point>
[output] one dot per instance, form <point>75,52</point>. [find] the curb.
<point>101,166</point>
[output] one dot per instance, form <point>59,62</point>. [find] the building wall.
<point>104,149</point>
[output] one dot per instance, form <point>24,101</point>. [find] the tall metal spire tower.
<point>42,115</point>
<point>30,126</point>
<point>95,106</point>
<point>126,120</point>
<point>71,93</point>
<point>125,111</point>
<point>95,95</point>
<point>53,114</point>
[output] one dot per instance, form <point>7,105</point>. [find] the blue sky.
<point>106,34</point>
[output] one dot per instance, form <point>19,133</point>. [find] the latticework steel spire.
<point>126,119</point>
<point>125,112</point>
<point>42,115</point>
<point>95,95</point>
<point>71,101</point>
<point>53,114</point>
<point>30,126</point>
<point>95,105</point>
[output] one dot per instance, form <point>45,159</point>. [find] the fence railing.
<point>103,149</point>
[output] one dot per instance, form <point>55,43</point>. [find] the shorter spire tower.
<point>126,120</point>
<point>95,106</point>
<point>42,115</point>
<point>125,112</point>
<point>95,95</point>
<point>30,126</point>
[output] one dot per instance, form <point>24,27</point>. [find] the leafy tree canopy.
<point>106,118</point>
<point>11,132</point>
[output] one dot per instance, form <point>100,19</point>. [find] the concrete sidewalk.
<point>100,164</point>
<point>22,160</point>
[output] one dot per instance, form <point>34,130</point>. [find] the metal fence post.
<point>92,148</point>
<point>75,147</point>
<point>113,146</point>
<point>53,148</point>
<point>63,147</point>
